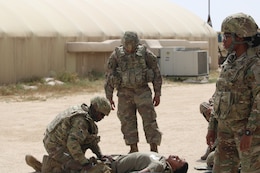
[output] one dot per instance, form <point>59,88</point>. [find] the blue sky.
<point>219,9</point>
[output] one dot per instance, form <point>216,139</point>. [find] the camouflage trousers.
<point>55,151</point>
<point>61,156</point>
<point>129,102</point>
<point>228,155</point>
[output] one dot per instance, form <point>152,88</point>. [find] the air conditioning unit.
<point>183,62</point>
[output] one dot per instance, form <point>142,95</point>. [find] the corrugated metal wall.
<point>23,58</point>
<point>26,58</point>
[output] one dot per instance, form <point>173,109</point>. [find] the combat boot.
<point>204,157</point>
<point>153,147</point>
<point>50,165</point>
<point>33,162</point>
<point>133,148</point>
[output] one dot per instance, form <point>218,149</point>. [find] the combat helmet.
<point>130,40</point>
<point>103,105</point>
<point>241,24</point>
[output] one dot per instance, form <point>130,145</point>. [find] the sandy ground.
<point>184,129</point>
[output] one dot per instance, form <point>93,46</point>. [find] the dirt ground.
<point>184,129</point>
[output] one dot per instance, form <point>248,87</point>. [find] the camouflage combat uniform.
<point>67,138</point>
<point>205,108</point>
<point>70,134</point>
<point>236,108</point>
<point>130,73</point>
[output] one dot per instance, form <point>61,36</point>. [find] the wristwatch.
<point>248,133</point>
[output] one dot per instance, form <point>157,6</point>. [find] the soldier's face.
<point>231,42</point>
<point>227,40</point>
<point>96,115</point>
<point>175,162</point>
<point>99,116</point>
<point>130,46</point>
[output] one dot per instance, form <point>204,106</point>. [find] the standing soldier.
<point>69,135</point>
<point>130,68</point>
<point>237,100</point>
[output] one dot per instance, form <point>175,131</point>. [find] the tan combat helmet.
<point>103,105</point>
<point>240,24</point>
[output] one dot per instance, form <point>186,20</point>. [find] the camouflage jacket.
<point>76,131</point>
<point>132,70</point>
<point>237,95</point>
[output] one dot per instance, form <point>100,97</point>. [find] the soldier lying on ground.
<point>69,135</point>
<point>139,162</point>
<point>149,162</point>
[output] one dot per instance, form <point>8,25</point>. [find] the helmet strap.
<point>234,42</point>
<point>231,47</point>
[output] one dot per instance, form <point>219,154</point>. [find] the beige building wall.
<point>24,58</point>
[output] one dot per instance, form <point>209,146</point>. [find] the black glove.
<point>106,158</point>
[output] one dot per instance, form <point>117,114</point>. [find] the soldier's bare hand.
<point>156,100</point>
<point>112,104</point>
<point>210,138</point>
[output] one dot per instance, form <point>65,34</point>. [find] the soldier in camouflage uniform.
<point>205,110</point>
<point>130,68</point>
<point>69,135</point>
<point>237,100</point>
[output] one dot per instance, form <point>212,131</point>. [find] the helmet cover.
<point>103,105</point>
<point>241,24</point>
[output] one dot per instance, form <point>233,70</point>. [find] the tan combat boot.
<point>133,148</point>
<point>50,165</point>
<point>153,147</point>
<point>33,162</point>
<point>204,157</point>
